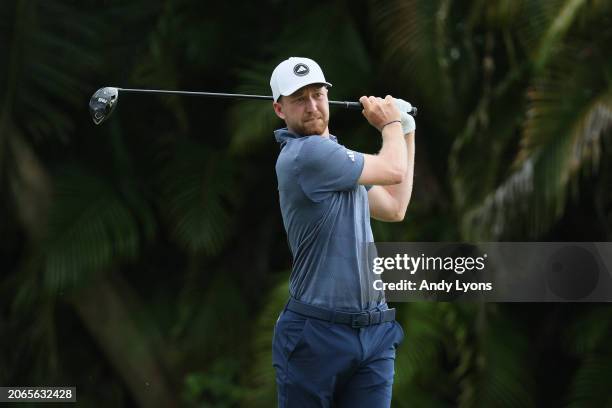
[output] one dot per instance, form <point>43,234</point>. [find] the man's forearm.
<point>393,150</point>
<point>402,192</point>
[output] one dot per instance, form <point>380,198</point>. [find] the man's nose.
<point>311,104</point>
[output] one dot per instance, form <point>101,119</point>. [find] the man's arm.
<point>390,165</point>
<point>389,202</point>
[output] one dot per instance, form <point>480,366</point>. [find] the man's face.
<point>306,111</point>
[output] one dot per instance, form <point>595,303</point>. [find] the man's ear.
<point>278,109</point>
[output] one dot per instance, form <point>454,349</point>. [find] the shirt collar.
<point>283,135</point>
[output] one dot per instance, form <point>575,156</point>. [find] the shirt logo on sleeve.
<point>351,155</point>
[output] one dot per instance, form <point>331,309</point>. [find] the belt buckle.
<point>360,320</point>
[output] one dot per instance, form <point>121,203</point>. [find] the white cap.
<point>294,73</point>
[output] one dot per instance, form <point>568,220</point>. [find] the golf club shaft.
<point>345,104</point>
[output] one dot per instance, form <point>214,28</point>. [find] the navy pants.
<point>324,364</point>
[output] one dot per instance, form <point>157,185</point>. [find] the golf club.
<point>104,100</point>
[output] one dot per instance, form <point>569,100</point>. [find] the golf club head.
<point>102,104</point>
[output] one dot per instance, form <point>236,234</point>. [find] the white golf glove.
<point>408,123</point>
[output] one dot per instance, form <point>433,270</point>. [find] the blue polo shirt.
<point>327,219</point>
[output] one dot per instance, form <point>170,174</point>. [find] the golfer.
<point>335,341</point>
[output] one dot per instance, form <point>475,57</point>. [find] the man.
<point>334,343</point>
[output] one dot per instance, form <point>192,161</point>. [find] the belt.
<point>355,320</point>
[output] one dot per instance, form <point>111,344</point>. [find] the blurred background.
<point>145,262</point>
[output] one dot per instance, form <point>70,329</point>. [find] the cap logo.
<point>301,69</point>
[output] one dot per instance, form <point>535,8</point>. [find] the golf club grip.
<point>347,105</point>
<point>358,106</point>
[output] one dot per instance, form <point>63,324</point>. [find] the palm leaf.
<point>431,50</point>
<point>91,227</point>
<point>216,368</point>
<point>587,332</point>
<point>198,190</point>
<point>420,379</point>
<point>159,67</point>
<point>570,111</point>
<point>499,373</point>
<point>217,307</point>
<point>260,377</point>
<point>348,68</point>
<point>591,384</point>
<point>556,30</point>
<point>36,356</point>
<point>41,85</point>
<point>38,72</point>
<point>490,132</point>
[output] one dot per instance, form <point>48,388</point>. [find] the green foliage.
<point>568,114</point>
<point>91,228</point>
<point>501,371</point>
<point>554,94</point>
<point>218,382</point>
<point>420,376</point>
<point>38,76</point>
<point>587,339</point>
<point>199,187</point>
<point>591,387</point>
<point>251,122</point>
<point>260,378</point>
<point>515,104</point>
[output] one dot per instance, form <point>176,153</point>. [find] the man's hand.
<point>380,112</point>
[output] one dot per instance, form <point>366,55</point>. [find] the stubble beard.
<point>317,126</point>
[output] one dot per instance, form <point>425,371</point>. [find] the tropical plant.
<point>147,257</point>
<point>526,86</point>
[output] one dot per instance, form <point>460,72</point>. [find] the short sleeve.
<point>325,166</point>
